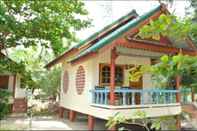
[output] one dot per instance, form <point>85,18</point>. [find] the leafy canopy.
<point>25,22</point>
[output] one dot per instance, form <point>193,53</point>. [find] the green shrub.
<point>4,103</point>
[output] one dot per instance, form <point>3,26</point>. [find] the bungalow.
<point>95,72</point>
<point>11,82</point>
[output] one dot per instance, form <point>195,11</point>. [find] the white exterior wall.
<point>82,103</point>
<point>71,100</point>
<point>19,92</point>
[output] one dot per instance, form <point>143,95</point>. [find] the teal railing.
<point>186,95</point>
<point>137,96</point>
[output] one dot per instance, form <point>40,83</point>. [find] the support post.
<point>178,94</point>
<point>112,76</point>
<point>61,112</point>
<point>91,122</point>
<point>178,123</point>
<point>72,115</point>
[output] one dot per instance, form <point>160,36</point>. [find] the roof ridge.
<point>132,12</point>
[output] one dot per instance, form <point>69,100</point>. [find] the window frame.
<point>101,65</point>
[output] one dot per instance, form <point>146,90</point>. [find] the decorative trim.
<point>80,80</point>
<point>152,47</point>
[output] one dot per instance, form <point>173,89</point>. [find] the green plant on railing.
<point>139,118</point>
<point>4,103</point>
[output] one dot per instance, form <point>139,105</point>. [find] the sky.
<point>103,12</point>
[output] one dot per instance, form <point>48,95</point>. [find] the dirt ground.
<point>48,123</point>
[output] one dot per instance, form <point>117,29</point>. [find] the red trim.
<point>61,57</point>
<point>152,47</point>
<point>84,58</point>
<point>91,123</point>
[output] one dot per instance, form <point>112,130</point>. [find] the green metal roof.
<point>131,13</point>
<point>109,38</point>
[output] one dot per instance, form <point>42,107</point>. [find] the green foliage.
<point>4,106</point>
<point>139,117</point>
<point>33,75</point>
<point>169,25</point>
<point>118,118</point>
<point>165,72</point>
<point>24,22</point>
<point>156,123</point>
<point>50,82</point>
<point>7,65</point>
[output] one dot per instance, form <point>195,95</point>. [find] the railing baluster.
<point>164,97</point>
<point>101,99</point>
<point>124,98</point>
<point>105,98</point>
<point>97,97</point>
<point>93,97</point>
<point>133,98</point>
<point>157,98</point>
<point>171,97</point>
<point>142,97</point>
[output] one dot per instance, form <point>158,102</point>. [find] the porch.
<point>127,97</point>
<point>114,87</point>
